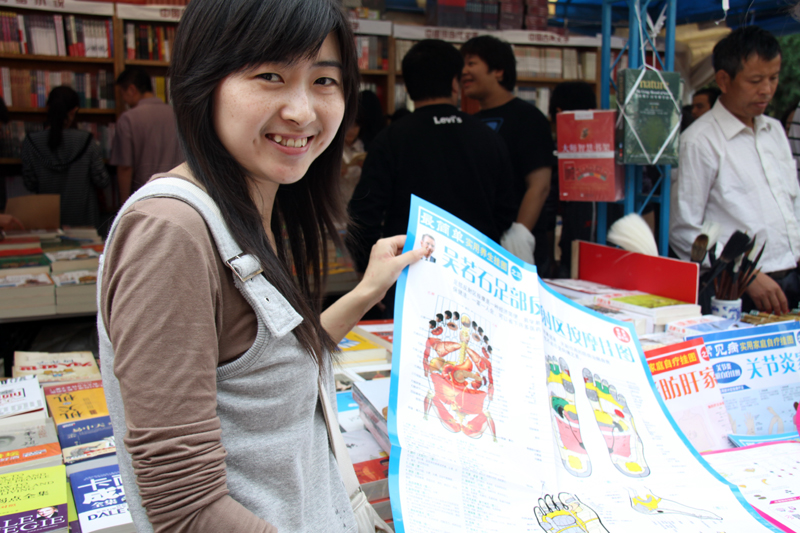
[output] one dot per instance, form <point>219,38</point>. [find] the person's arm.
<point>124,180</point>
<point>122,156</point>
<point>537,185</point>
<point>767,295</point>
<point>385,264</point>
<point>161,304</point>
<point>369,203</point>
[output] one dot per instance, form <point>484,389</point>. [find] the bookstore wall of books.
<point>58,464</point>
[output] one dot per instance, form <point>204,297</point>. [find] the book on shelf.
<point>80,412</point>
<point>684,377</point>
<point>29,445</point>
<point>56,367</point>
<point>74,259</point>
<point>27,295</point>
<point>57,35</point>
<point>34,500</point>
<point>149,41</point>
<point>360,347</point>
<point>30,88</point>
<point>100,501</point>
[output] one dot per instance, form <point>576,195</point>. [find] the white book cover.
<point>77,277</point>
<point>72,255</point>
<point>20,395</point>
<point>25,280</point>
<point>684,377</point>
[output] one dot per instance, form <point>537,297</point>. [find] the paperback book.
<point>34,500</point>
<point>28,446</point>
<point>55,367</point>
<point>534,414</point>
<point>80,412</point>
<point>100,501</point>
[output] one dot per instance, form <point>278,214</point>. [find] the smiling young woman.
<point>212,337</point>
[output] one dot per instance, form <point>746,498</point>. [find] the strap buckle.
<point>245,266</point>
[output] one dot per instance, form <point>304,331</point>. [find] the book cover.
<point>647,304</point>
<point>684,377</point>
<point>91,450</point>
<point>100,500</point>
<point>56,366</point>
<point>34,500</point>
<point>29,445</point>
<point>19,396</point>
<point>587,170</point>
<point>360,347</point>
<point>75,277</point>
<point>80,412</point>
<point>647,132</point>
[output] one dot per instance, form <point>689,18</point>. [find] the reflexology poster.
<point>513,409</point>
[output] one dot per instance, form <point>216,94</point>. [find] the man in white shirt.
<point>736,169</point>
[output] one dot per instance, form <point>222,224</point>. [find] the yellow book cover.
<point>34,498</point>
<point>361,347</point>
<point>76,401</point>
<point>56,367</point>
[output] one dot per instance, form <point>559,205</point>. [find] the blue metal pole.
<point>666,184</point>
<point>605,103</point>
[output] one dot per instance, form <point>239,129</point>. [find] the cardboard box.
<point>587,171</point>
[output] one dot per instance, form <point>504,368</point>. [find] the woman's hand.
<point>385,265</point>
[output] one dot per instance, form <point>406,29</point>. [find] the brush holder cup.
<point>727,308</point>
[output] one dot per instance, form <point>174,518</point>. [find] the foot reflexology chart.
<point>513,409</point>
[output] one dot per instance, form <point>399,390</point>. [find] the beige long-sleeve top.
<point>166,359</point>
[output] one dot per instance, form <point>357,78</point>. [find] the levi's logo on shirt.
<point>452,119</point>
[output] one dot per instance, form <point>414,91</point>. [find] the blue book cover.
<point>84,431</point>
<point>100,499</point>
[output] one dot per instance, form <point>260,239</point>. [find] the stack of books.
<point>73,259</point>
<point>27,295</point>
<point>80,412</point>
<point>360,347</point>
<point>372,398</point>
<point>76,292</point>
<point>21,401</point>
<point>61,367</point>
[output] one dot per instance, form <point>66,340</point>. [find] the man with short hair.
<point>489,76</point>
<point>438,153</point>
<point>736,169</point>
<point>428,243</point>
<point>703,100</point>
<point>146,139</point>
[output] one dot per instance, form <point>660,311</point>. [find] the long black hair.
<point>60,102</point>
<point>217,38</point>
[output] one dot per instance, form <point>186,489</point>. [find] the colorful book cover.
<point>758,370</point>
<point>23,444</point>
<point>80,412</point>
<point>91,450</point>
<point>34,500</point>
<point>51,367</point>
<point>100,499</point>
<point>587,171</point>
<point>685,379</point>
<point>25,280</point>
<point>77,277</point>
<point>647,131</point>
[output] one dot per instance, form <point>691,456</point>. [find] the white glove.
<point>519,241</point>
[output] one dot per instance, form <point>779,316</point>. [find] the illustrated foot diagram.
<point>616,424</point>
<point>566,426</point>
<point>648,503</point>
<point>567,515</point>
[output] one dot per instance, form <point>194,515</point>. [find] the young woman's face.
<point>276,119</point>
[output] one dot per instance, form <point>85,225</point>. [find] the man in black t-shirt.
<point>489,76</point>
<point>439,153</point>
